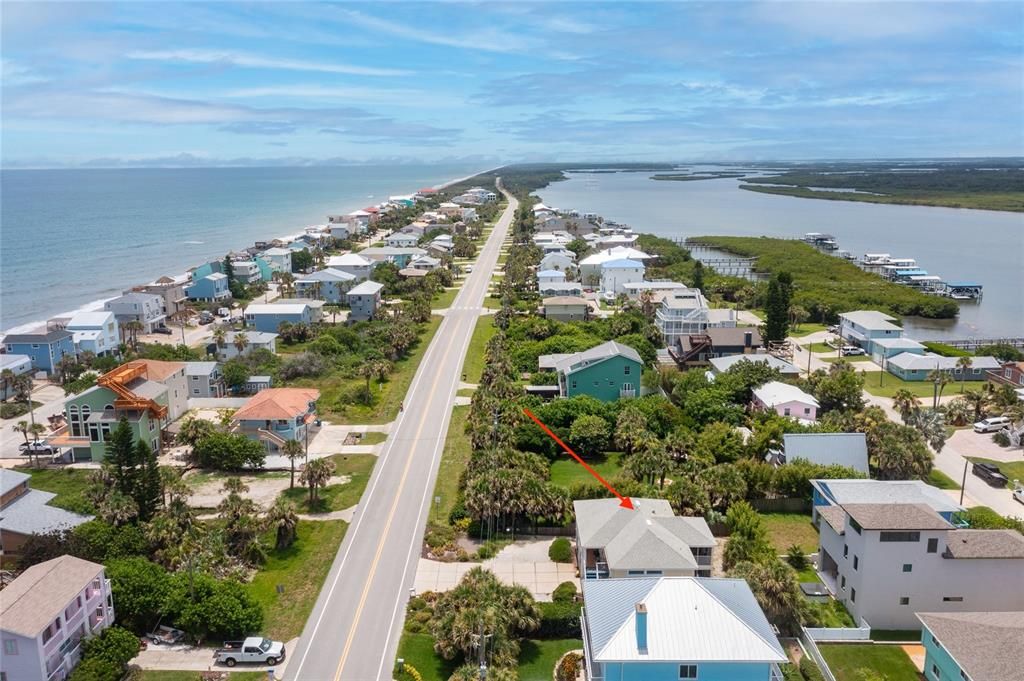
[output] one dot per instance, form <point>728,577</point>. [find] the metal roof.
<point>367,288</point>
<point>843,449</point>
<point>689,619</point>
<point>31,513</point>
<point>599,353</point>
<point>860,491</point>
<point>777,392</point>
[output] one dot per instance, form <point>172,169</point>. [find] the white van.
<point>991,425</point>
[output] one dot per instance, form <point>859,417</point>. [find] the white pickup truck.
<point>254,649</point>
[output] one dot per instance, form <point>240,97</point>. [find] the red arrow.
<point>626,501</point>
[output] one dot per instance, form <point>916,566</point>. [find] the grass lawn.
<point>831,614</point>
<point>337,497</point>
<point>854,358</point>
<point>821,347</point>
<point>565,471</point>
<point>537,658</point>
<point>807,575</point>
<point>786,529</point>
<point>158,675</point>
<point>69,484</point>
<point>1013,470</point>
<point>806,329</point>
<point>453,461</point>
<point>937,478</point>
<point>474,365</point>
<point>334,388</point>
<point>465,392</point>
<point>492,303</point>
<point>418,650</point>
<point>890,662</point>
<point>895,634</point>
<point>445,298</point>
<point>301,570</point>
<point>883,384</point>
<point>372,437</point>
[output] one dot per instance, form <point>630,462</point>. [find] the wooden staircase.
<point>117,380</point>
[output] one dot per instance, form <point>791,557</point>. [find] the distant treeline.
<point>825,285</point>
<point>524,178</point>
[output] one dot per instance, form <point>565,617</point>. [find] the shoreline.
<point>98,304</point>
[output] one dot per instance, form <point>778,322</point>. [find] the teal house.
<point>973,646</point>
<point>608,372</point>
<point>677,628</point>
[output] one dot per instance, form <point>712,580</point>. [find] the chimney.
<point>748,339</point>
<point>641,627</point>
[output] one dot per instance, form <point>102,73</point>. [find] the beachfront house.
<point>242,343</point>
<point>95,332</point>
<point>364,301</point>
<point>339,230</point>
<point>327,284</point>
<point>402,239</point>
<point>825,449</point>
<point>210,289</point>
<point>972,646</point>
<point>616,273</point>
<point>276,415</point>
<point>863,327</point>
<point>566,308</point>
<point>677,629</point>
<point>247,271</point>
<point>912,367</point>
<point>357,265</point>
<point>268,317</point>
<point>148,393</point>
<point>25,512</point>
<point>887,561</point>
<point>48,612</point>
<point>685,311</point>
<point>18,365</point>
<point>785,400</point>
<point>613,541</point>
<point>46,347</point>
<point>279,259</point>
<point>607,372</point>
<point>144,308</point>
<point>204,379</point>
<point>171,290</point>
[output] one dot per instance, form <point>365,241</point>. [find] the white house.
<point>339,230</point>
<point>146,308</point>
<point>559,259</point>
<point>254,340</point>
<point>95,332</point>
<point>357,265</point>
<point>888,561</point>
<point>48,612</point>
<point>616,273</point>
<point>590,266</point>
<point>863,327</point>
<point>785,400</point>
<point>280,259</point>
<point>18,365</point>
<point>685,311</point>
<point>402,240</point>
<point>550,277</point>
<point>633,289</point>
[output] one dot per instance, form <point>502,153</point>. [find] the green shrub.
<point>559,620</point>
<point>810,670</point>
<point>10,410</point>
<point>984,518</point>
<point>564,593</point>
<point>569,667</point>
<point>560,550</point>
<point>945,350</point>
<point>488,550</point>
<point>796,557</point>
<point>1001,438</point>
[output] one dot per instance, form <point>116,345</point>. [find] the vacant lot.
<point>889,661</point>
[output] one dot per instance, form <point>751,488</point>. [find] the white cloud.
<point>245,60</point>
<point>16,74</point>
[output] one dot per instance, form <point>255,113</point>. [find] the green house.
<point>607,372</point>
<point>93,414</point>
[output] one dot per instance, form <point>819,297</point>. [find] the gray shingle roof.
<point>31,513</point>
<point>987,645</point>
<point>985,544</point>
<point>835,516</point>
<point>40,337</point>
<point>596,354</point>
<point>10,479</point>
<point>896,517</point>
<point>33,600</point>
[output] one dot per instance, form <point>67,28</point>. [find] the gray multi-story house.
<point>204,379</point>
<point>145,308</point>
<point>364,301</point>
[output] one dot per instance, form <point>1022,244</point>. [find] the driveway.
<point>524,562</point>
<point>192,658</point>
<point>951,460</point>
<point>51,398</point>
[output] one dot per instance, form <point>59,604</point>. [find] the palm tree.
<point>931,423</point>
<point>134,327</point>
<point>374,368</point>
<point>940,379</point>
<point>234,485</point>
<point>775,586</point>
<point>963,364</point>
<point>6,379</point>
<point>905,402</point>
<point>958,412</point>
<point>220,337</point>
<point>316,474</point>
<point>240,341</point>
<point>285,521</point>
<point>23,428</point>
<point>334,309</point>
<point>977,401</point>
<point>293,450</point>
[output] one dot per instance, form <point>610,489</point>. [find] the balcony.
<point>627,393</point>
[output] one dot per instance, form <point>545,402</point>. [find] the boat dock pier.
<point>972,344</point>
<point>709,256</point>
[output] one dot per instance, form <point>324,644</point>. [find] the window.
<point>899,536</point>
<point>786,411</point>
<point>855,525</point>
<point>687,671</point>
<point>908,567</point>
<point>846,550</point>
<point>94,432</point>
<point>843,583</point>
<point>853,595</point>
<point>195,391</point>
<point>933,545</point>
<point>935,671</point>
<point>935,641</point>
<point>10,646</point>
<point>625,370</point>
<point>904,600</point>
<point>952,599</point>
<point>807,410</point>
<point>856,562</point>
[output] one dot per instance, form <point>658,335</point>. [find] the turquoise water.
<point>71,237</point>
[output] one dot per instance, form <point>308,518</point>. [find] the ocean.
<point>72,238</point>
<point>958,244</point>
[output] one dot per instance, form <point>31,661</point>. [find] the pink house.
<point>785,400</point>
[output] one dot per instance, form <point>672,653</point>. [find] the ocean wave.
<point>193,243</point>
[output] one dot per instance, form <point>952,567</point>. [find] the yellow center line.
<point>383,539</point>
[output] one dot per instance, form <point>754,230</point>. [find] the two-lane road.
<point>353,631</point>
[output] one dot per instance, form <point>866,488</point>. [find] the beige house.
<point>566,308</point>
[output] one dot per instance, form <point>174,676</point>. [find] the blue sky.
<point>161,83</point>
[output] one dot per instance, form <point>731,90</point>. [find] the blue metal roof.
<point>963,284</point>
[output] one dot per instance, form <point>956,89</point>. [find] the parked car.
<point>163,329</point>
<point>36,448</point>
<point>205,317</point>
<point>254,649</point>
<point>852,350</point>
<point>991,424</point>
<point>1018,494</point>
<point>834,328</point>
<point>990,473</point>
<point>223,312</point>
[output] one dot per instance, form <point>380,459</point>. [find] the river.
<point>957,244</point>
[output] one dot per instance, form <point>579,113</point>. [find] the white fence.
<point>826,634</point>
<point>810,648</point>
